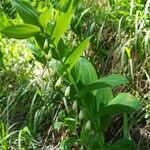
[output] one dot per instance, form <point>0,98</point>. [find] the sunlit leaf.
<point>21,31</point>
<point>76,53</point>
<point>45,17</point>
<point>62,25</point>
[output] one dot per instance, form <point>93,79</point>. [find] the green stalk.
<point>125,126</point>
<point>101,140</point>
<point>71,79</point>
<point>131,69</point>
<point>101,135</point>
<point>73,82</point>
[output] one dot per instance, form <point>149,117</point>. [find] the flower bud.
<point>45,44</point>
<point>74,106</point>
<point>67,91</point>
<point>81,115</point>
<point>66,105</point>
<point>88,125</point>
<point>58,83</point>
<point>49,55</point>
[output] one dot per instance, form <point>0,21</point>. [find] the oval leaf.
<point>88,72</point>
<point>122,103</point>
<point>21,31</point>
<point>114,80</point>
<point>84,71</point>
<point>123,144</point>
<point>110,81</point>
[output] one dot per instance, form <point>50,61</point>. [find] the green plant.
<point>8,138</point>
<point>50,46</point>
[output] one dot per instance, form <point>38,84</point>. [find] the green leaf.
<point>93,86</point>
<point>84,71</point>
<point>66,5</point>
<point>37,54</point>
<point>122,103</point>
<point>114,80</point>
<point>89,103</point>
<point>123,144</point>
<point>27,12</point>
<point>88,72</point>
<point>110,81</point>
<point>40,39</point>
<point>94,143</point>
<point>76,2</point>
<point>21,31</point>
<point>1,60</point>
<point>103,96</point>
<point>84,135</point>
<point>76,53</point>
<point>62,48</point>
<point>104,120</point>
<point>45,17</point>
<point>76,72</point>
<point>71,123</point>
<point>62,25</point>
<point>67,143</point>
<point>82,14</point>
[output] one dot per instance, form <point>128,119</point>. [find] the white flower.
<point>88,125</point>
<point>49,55</point>
<point>58,83</point>
<point>81,115</point>
<point>45,44</point>
<point>74,106</point>
<point>67,91</point>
